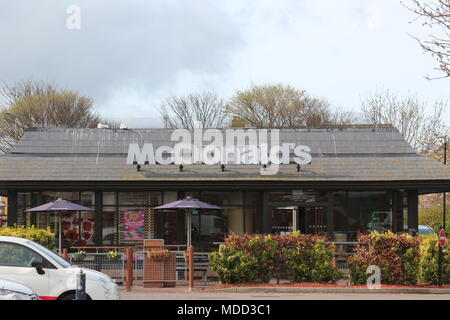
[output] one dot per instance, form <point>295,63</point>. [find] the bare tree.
<point>279,106</point>
<point>186,111</point>
<point>39,104</point>
<point>341,117</point>
<point>435,15</point>
<point>421,129</point>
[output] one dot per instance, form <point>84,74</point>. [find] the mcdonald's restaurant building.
<point>359,179</point>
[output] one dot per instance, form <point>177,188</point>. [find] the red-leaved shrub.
<point>397,256</point>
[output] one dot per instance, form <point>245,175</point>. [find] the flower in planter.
<point>113,255</point>
<point>79,255</point>
<point>158,254</point>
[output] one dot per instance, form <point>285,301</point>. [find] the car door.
<point>15,264</point>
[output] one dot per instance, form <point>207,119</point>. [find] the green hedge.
<point>259,258</point>
<point>42,236</point>
<point>433,218</point>
<point>403,259</point>
<point>429,249</point>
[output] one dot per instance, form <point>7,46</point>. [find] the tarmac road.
<point>182,294</point>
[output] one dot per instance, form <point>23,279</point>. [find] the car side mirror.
<point>39,266</point>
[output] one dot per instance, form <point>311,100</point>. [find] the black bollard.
<point>80,293</point>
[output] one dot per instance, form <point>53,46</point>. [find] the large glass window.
<point>127,216</point>
<point>404,223</point>
<point>133,198</point>
<point>340,211</point>
<point>282,196</point>
<point>47,196</point>
<point>23,203</point>
<point>23,199</point>
<point>240,214</point>
<point>3,211</point>
<point>109,227</point>
<point>252,219</point>
<point>170,227</point>
<point>132,223</point>
<point>170,196</point>
<point>282,221</point>
<point>298,196</point>
<point>78,228</point>
<point>209,229</point>
<point>370,211</point>
<point>222,198</point>
<point>362,212</point>
<point>109,198</point>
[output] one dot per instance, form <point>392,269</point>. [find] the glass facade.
<point>241,214</point>
<point>362,212</point>
<point>126,218</point>
<point>78,228</point>
<point>3,211</point>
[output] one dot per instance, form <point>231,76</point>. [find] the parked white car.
<point>13,290</point>
<point>48,274</point>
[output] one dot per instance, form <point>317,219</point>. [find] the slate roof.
<point>340,154</point>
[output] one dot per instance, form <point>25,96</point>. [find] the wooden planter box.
<point>159,272</point>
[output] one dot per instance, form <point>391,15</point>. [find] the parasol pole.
<point>189,227</point>
<point>59,219</point>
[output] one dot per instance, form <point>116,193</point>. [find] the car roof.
<point>14,239</point>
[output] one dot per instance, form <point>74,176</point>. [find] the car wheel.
<point>70,296</point>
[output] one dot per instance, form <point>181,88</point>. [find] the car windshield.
<point>63,263</point>
<point>425,230</point>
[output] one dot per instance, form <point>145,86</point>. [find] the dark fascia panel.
<point>422,186</point>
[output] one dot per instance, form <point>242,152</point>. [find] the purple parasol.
<point>188,204</point>
<point>59,205</point>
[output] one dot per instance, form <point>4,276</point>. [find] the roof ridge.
<point>372,127</point>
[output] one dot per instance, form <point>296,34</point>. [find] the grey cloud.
<point>120,43</point>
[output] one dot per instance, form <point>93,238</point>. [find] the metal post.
<point>80,293</point>
<point>189,227</point>
<point>60,233</point>
<point>444,208</point>
<point>191,267</point>
<point>129,274</point>
<point>445,194</point>
<point>439,260</point>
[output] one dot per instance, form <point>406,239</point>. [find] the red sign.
<point>442,238</point>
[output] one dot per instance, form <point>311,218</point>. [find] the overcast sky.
<point>129,55</point>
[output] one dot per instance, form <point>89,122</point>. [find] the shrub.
<point>428,272</point>
<point>234,265</point>
<point>309,259</point>
<point>397,255</point>
<point>259,258</point>
<point>433,218</point>
<point>42,236</point>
